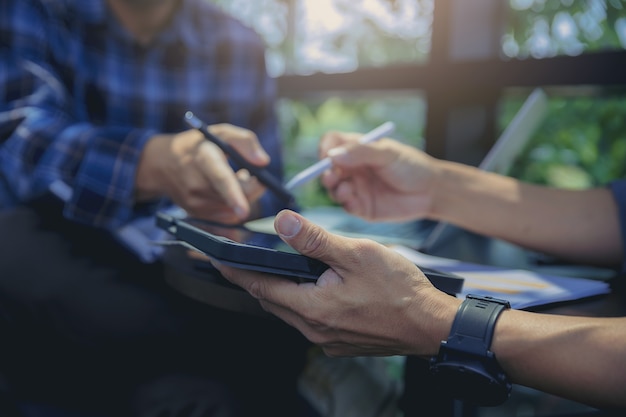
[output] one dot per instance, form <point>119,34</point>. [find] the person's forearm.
<point>574,357</point>
<point>578,225</point>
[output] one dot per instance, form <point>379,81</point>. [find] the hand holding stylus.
<point>319,167</point>
<point>262,174</point>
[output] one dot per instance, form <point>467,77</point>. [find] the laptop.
<point>424,234</point>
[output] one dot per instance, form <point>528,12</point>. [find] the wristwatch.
<point>465,367</point>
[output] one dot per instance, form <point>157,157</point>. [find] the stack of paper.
<point>520,287</point>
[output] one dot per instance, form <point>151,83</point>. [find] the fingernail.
<point>334,152</point>
<point>261,155</point>
<point>243,174</point>
<point>288,225</point>
<point>240,212</point>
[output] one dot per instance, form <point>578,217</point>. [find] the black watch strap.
<point>465,367</point>
<point>475,322</point>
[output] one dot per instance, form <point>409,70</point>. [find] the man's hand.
<point>385,180</point>
<point>372,301</point>
<point>195,173</point>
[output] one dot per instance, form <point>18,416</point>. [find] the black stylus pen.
<point>266,178</point>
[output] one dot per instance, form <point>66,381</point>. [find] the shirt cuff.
<point>103,192</point>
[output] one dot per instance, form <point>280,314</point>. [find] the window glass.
<point>545,28</point>
<point>307,36</point>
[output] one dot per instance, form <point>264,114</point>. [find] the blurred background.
<point>451,74</point>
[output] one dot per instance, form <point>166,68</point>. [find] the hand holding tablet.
<point>294,266</point>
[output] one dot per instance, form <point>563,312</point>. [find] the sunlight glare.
<point>521,4</point>
<point>322,15</point>
<point>564,26</point>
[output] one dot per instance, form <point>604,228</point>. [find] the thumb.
<point>308,238</point>
<point>377,154</point>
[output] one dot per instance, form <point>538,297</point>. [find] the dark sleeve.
<point>618,188</point>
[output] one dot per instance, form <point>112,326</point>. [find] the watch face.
<point>471,384</point>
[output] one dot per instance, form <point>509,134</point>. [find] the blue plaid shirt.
<point>79,98</point>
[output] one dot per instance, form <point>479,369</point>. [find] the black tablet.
<point>245,255</point>
<point>267,253</point>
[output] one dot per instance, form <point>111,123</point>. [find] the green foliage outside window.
<point>544,28</point>
<point>582,142</point>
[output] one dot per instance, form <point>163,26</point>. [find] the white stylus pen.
<point>322,165</point>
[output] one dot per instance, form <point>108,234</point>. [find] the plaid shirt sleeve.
<point>42,141</point>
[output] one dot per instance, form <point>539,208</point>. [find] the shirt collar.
<point>182,26</point>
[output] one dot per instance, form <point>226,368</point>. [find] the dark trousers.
<point>86,325</point>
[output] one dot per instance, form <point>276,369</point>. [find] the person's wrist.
<point>508,336</point>
<point>448,310</point>
<point>445,189</point>
<point>148,184</point>
<point>431,176</point>
<point>431,317</point>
